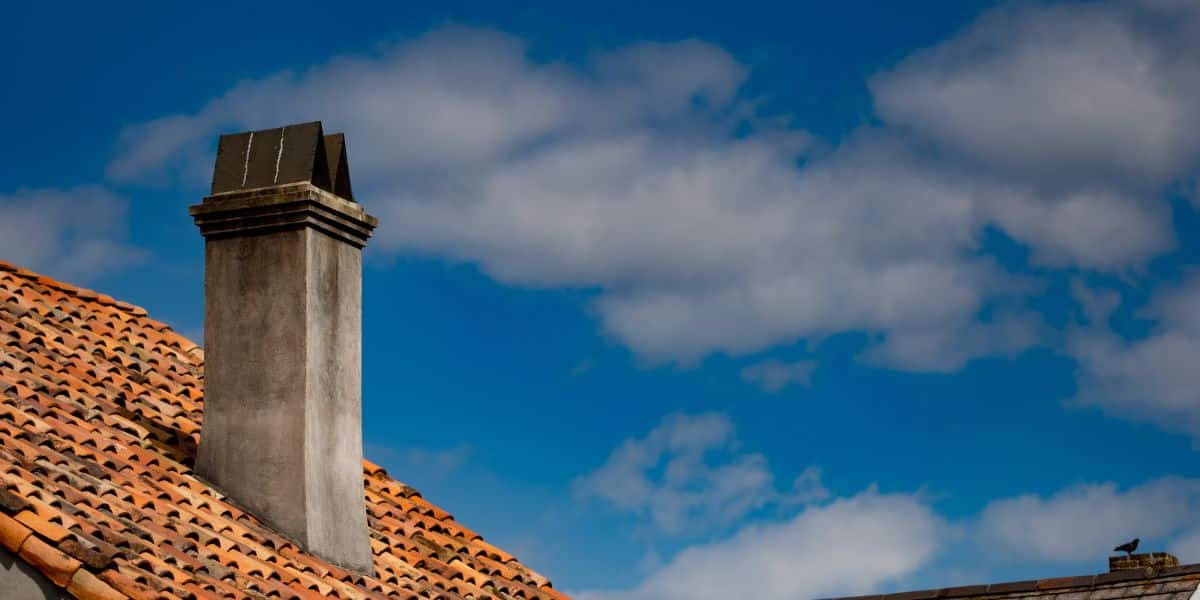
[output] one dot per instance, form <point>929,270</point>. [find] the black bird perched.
<point>1127,547</point>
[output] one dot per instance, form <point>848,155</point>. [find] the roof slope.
<point>1171,583</point>
<point>100,412</point>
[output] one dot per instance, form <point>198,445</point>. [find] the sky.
<point>697,300</point>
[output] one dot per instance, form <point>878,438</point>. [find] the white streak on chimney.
<point>279,156</point>
<point>246,165</point>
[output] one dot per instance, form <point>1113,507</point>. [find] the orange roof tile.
<point>100,413</point>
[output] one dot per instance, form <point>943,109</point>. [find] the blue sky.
<point>696,300</point>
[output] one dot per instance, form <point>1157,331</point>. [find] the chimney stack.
<point>1141,562</point>
<point>282,432</point>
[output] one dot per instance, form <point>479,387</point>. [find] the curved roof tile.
<point>100,414</point>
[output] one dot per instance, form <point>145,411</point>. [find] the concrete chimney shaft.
<point>282,432</point>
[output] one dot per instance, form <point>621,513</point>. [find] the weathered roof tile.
<point>100,416</point>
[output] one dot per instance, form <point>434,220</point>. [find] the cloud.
<point>1084,105</point>
<point>444,102</point>
<point>774,375</point>
<point>849,546</point>
<point>688,476</point>
<point>76,234</point>
<point>1065,93</point>
<point>872,541</point>
<point>1152,378</point>
<point>644,176</point>
<point>860,543</point>
<point>1084,521</point>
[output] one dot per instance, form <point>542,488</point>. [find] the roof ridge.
<point>1055,584</point>
<point>75,290</point>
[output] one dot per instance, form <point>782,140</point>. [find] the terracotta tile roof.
<point>1172,583</point>
<point>100,412</point>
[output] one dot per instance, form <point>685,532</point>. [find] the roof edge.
<point>1055,585</point>
<point>185,344</point>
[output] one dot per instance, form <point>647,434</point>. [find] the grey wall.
<point>283,394</point>
<point>252,446</point>
<point>19,581</point>
<point>337,517</point>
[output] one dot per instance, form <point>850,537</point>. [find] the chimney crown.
<point>1141,562</point>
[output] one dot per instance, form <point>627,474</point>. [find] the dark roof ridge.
<point>1054,584</point>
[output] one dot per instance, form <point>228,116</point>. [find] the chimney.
<point>282,433</point>
<point>1142,562</point>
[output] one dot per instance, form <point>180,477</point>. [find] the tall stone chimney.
<point>282,433</point>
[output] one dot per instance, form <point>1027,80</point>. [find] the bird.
<point>1127,547</point>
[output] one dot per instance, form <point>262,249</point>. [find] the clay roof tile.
<point>100,417</point>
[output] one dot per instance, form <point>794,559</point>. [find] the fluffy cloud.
<point>1152,378</point>
<point>849,546</point>
<point>643,175</point>
<point>1085,104</point>
<point>871,542</point>
<point>616,178</point>
<point>678,476</point>
<point>1071,91</point>
<point>75,234</point>
<point>429,110</point>
<point>1084,521</point>
<point>688,476</point>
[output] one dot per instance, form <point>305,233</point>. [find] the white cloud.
<point>75,234</point>
<point>688,476</point>
<point>446,101</point>
<point>825,545</point>
<point>1085,521</point>
<point>623,176</point>
<point>875,542</point>
<point>1084,107</point>
<point>774,375</point>
<point>850,546</point>
<point>611,176</point>
<point>1153,378</point>
<point>1068,92</point>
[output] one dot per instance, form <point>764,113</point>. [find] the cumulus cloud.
<point>644,176</point>
<point>1152,378</point>
<point>677,476</point>
<point>1073,91</point>
<point>76,234</point>
<point>1083,521</point>
<point>849,546</point>
<point>1085,105</point>
<point>688,476</point>
<point>873,542</point>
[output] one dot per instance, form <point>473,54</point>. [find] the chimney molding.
<point>282,207</point>
<point>282,428</point>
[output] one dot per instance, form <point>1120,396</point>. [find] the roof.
<point>1171,583</point>
<point>100,414</point>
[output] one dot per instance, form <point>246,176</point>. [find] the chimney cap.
<point>284,155</point>
<point>1139,562</point>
